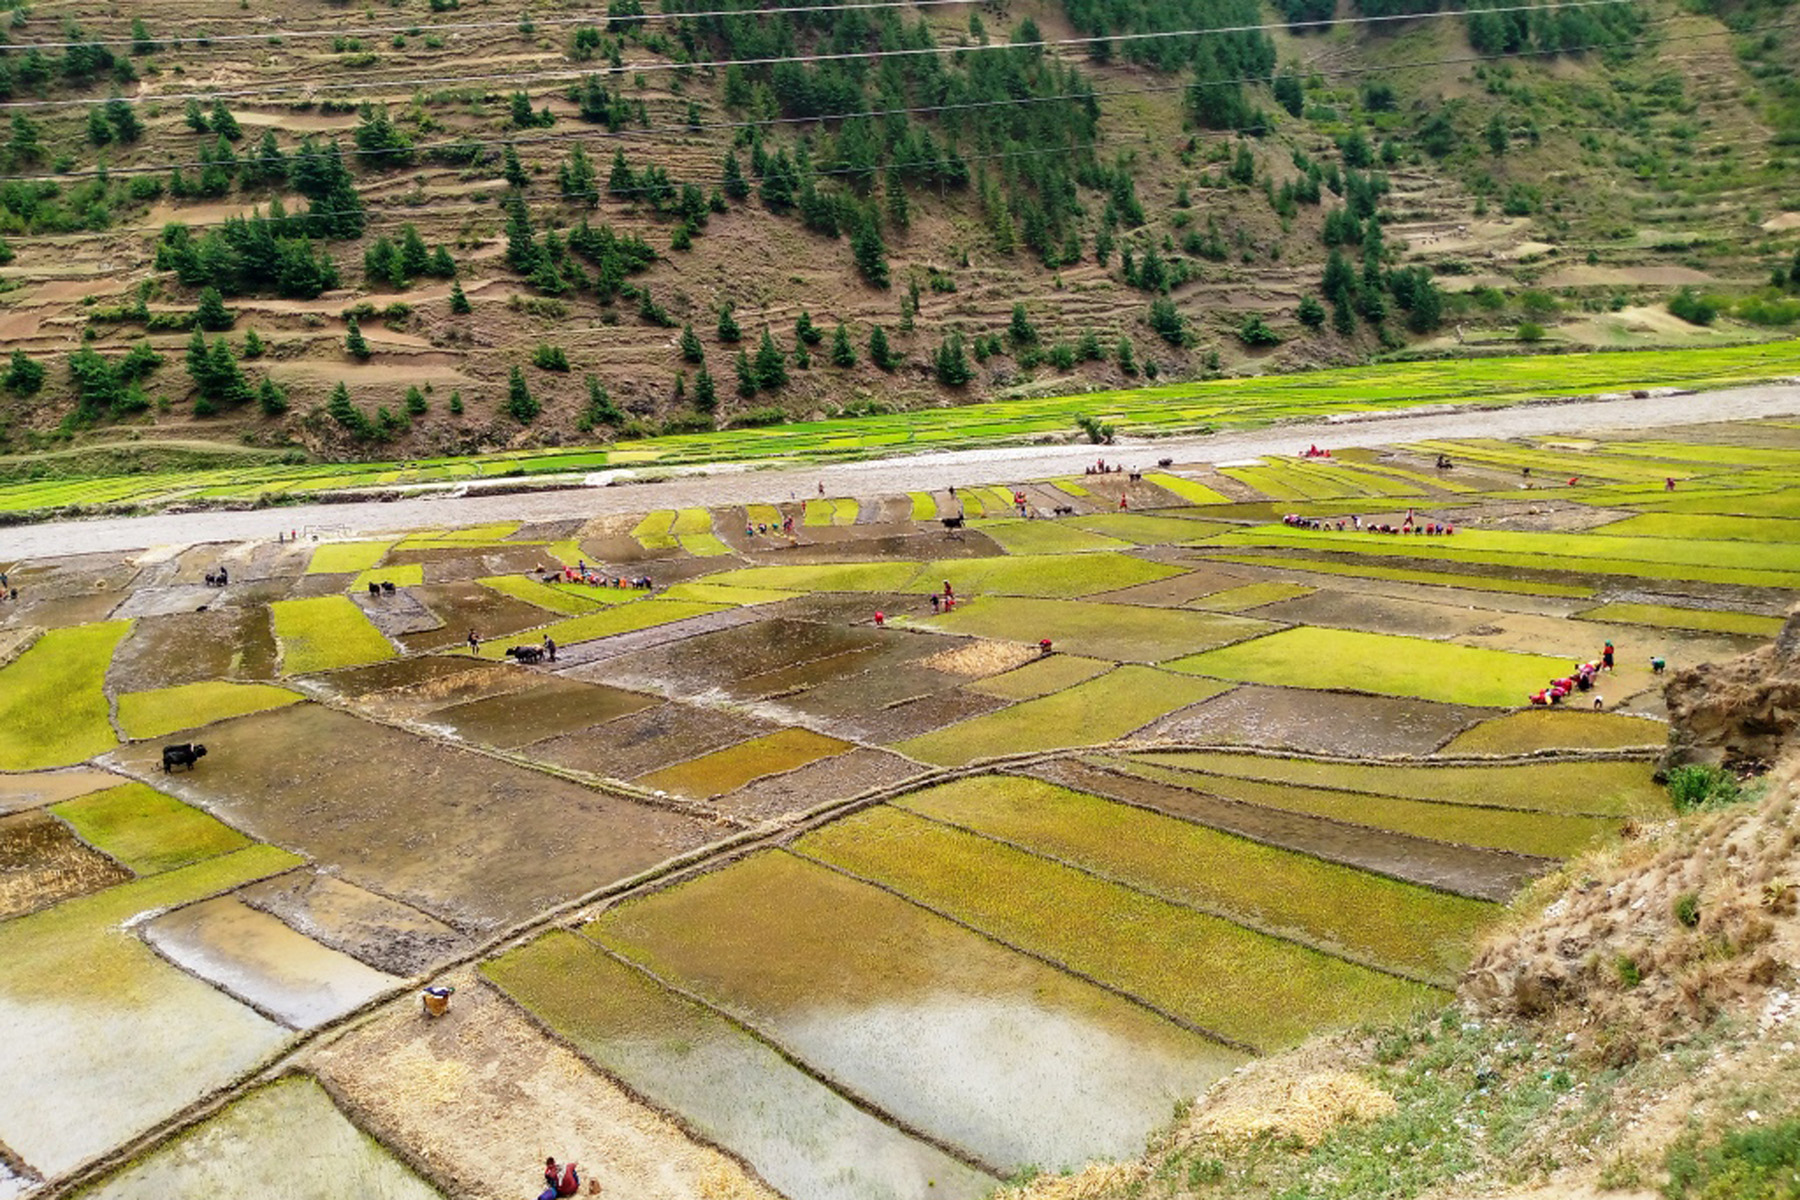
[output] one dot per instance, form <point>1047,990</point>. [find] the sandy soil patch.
<point>481,1096</point>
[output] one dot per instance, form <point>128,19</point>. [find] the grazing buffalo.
<point>952,522</point>
<point>387,586</point>
<point>374,588</point>
<point>525,654</point>
<point>1064,510</point>
<point>186,754</point>
<point>1165,463</point>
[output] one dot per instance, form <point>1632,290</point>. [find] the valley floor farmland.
<point>803,866</point>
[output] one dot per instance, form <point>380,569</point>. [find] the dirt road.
<point>725,486</point>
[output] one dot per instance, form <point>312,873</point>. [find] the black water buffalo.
<point>525,654</point>
<point>952,522</point>
<point>387,587</point>
<point>186,754</point>
<point>374,588</point>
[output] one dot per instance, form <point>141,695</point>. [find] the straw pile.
<point>1092,1182</point>
<point>1304,1109</point>
<point>976,658</point>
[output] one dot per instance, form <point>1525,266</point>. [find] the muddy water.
<point>1315,722</point>
<point>805,1139</point>
<point>34,789</point>
<point>1375,614</point>
<point>82,1000</point>
<point>817,783</point>
<point>42,862</point>
<point>1465,870</point>
<point>475,842</point>
<point>552,708</point>
<point>256,958</point>
<point>728,659</point>
<point>384,933</point>
<point>987,1049</point>
<point>227,643</point>
<point>285,1140</point>
<point>465,606</point>
<point>652,739</point>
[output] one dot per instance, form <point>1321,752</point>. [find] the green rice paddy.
<point>924,506</point>
<point>399,574</point>
<point>1608,789</point>
<point>52,706</point>
<point>1543,834</point>
<point>830,512</point>
<point>1189,491</point>
<point>161,711</point>
<point>731,768</point>
<point>569,600</point>
<point>1545,729</point>
<point>146,830</point>
<point>623,618</point>
<point>334,558</point>
<point>653,532</point>
<point>825,577</point>
<point>1146,530</point>
<point>1378,920</point>
<point>1383,664</point>
<point>1349,566</point>
<point>1018,536</point>
<point>1699,620</point>
<point>1709,527</point>
<point>1122,632</point>
<point>324,633</point>
<point>1206,970</point>
<point>1251,595</point>
<point>1100,710</point>
<point>1041,676</point>
<point>1043,575</point>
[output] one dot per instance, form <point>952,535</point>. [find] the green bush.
<point>1698,788</point>
<point>549,358</point>
<point>1692,307</point>
<point>1686,909</point>
<point>1757,1163</point>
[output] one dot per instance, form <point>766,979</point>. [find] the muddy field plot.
<point>194,647</point>
<point>42,862</point>
<point>546,709</point>
<point>475,842</point>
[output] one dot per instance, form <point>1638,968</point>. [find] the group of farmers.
<point>1583,680</point>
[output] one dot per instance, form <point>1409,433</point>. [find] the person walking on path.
<point>474,643</point>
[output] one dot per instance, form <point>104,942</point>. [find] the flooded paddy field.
<point>751,894</point>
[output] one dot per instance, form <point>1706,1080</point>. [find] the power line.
<point>394,217</point>
<point>583,19</point>
<point>672,127</point>
<point>841,56</point>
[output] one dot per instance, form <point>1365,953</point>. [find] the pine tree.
<point>1342,319</point>
<point>871,254</point>
<point>1310,313</point>
<point>512,169</point>
<point>123,119</point>
<point>273,400</point>
<point>805,332</point>
<point>691,350</point>
<point>99,130</point>
<point>728,326</point>
<point>23,376</point>
<point>746,375</point>
<point>736,186</point>
<point>196,117</point>
<point>212,315</point>
<point>415,401</point>
<point>354,342</point>
<point>620,181</point>
<point>600,408</point>
<point>253,344</point>
<point>456,403</point>
<point>706,396</point>
<point>802,359</point>
<point>1496,135</point>
<point>1127,360</point>
<point>1021,331</point>
<point>680,387</point>
<point>223,123</point>
<point>899,213</point>
<point>459,301</point>
<point>442,266</point>
<point>346,413</point>
<point>520,403</point>
<point>879,352</point>
<point>771,363</point>
<point>415,259</point>
<point>842,353</point>
<point>951,364</point>
<point>576,178</point>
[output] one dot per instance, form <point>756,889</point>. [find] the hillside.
<point>1629,1032</point>
<point>495,230</point>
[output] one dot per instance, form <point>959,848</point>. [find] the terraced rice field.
<point>875,910</point>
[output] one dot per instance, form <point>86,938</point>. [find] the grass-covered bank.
<point>1149,411</point>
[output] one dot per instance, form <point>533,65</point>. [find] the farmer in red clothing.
<point>567,1183</point>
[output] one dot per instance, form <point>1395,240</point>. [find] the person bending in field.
<point>565,1183</point>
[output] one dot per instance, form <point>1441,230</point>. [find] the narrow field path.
<point>732,485</point>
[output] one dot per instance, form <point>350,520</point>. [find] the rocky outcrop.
<point>1738,714</point>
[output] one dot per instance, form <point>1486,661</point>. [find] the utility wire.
<point>391,217</point>
<point>597,18</point>
<point>840,56</point>
<point>674,128</point>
